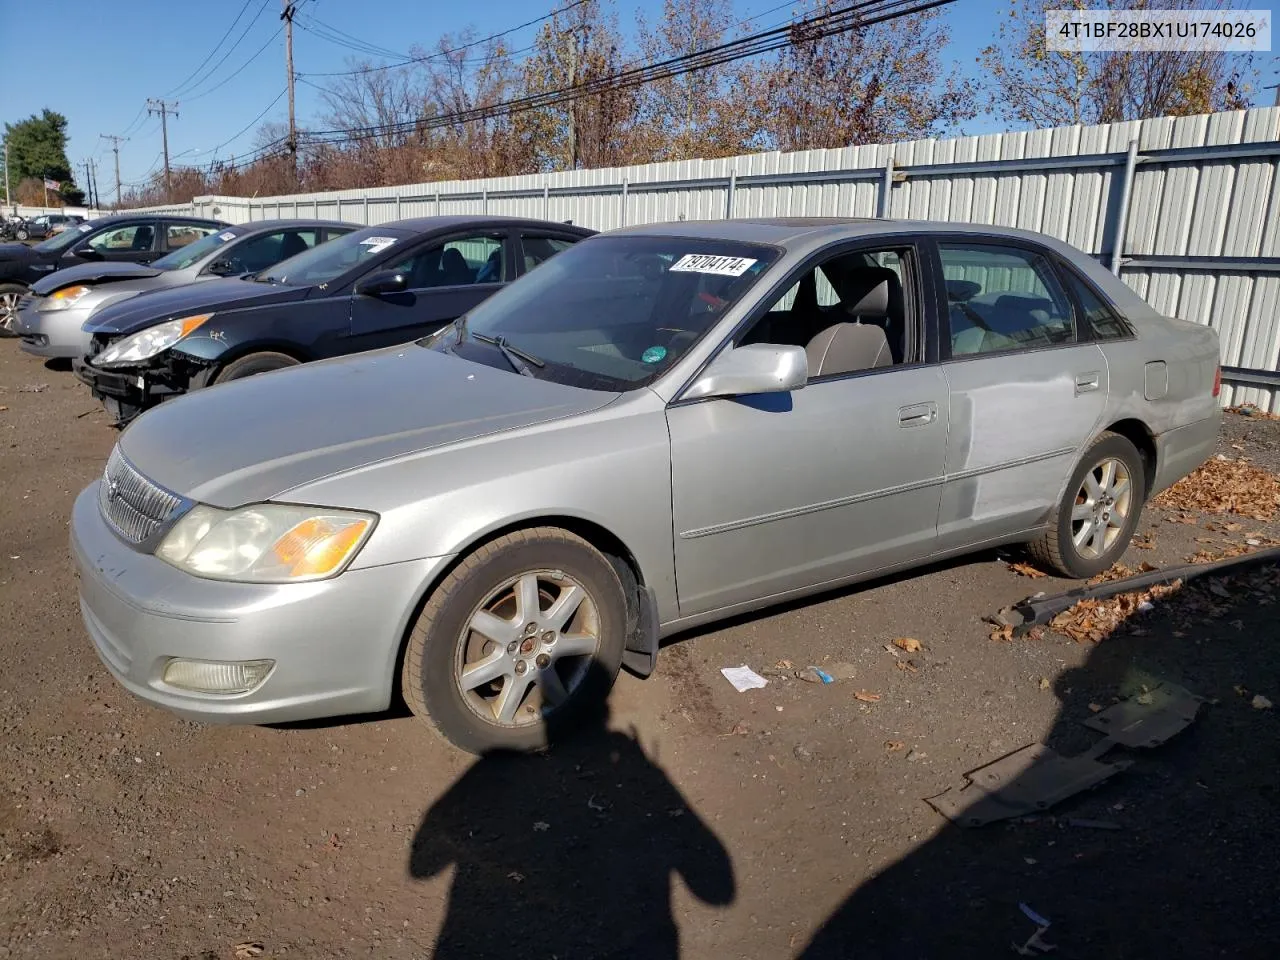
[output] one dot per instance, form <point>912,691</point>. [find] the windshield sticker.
<point>86,227</point>
<point>377,244</point>
<point>709,263</point>
<point>224,237</point>
<point>654,354</point>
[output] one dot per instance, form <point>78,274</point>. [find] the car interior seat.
<point>454,269</point>
<point>847,347</point>
<point>873,296</point>
<point>142,238</point>
<point>292,245</point>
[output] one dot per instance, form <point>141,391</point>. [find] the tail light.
<point>1217,380</point>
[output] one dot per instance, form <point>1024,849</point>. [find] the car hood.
<point>138,313</point>
<point>257,438</point>
<point>16,251</point>
<point>92,273</point>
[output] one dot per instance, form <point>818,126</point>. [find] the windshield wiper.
<point>515,356</point>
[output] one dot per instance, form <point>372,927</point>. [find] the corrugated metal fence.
<point>1184,208</point>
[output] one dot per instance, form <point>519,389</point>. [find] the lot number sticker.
<point>224,237</point>
<point>710,263</point>
<point>377,244</point>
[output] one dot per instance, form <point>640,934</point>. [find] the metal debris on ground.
<point>1090,613</point>
<point>1225,486</point>
<point>1034,945</point>
<point>743,678</point>
<point>1034,778</point>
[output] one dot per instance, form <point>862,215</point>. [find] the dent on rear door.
<point>1018,424</point>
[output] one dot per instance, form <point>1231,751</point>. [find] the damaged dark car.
<point>372,288</point>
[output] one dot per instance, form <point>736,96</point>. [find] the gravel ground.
<point>787,821</point>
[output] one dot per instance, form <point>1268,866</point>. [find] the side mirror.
<point>381,283</point>
<point>223,268</point>
<point>87,252</point>
<point>754,368</point>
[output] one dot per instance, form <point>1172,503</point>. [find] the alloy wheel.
<point>8,309</point>
<point>527,647</point>
<point>1102,508</point>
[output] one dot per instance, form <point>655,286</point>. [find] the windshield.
<point>184,257</point>
<point>66,238</point>
<point>328,261</point>
<point>611,313</point>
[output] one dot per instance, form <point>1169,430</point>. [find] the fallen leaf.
<point>541,826</point>
<point>1044,683</point>
<point>865,696</point>
<point>1218,590</point>
<point>784,665</point>
<point>1095,707</point>
<point>1003,633</point>
<point>1260,702</point>
<point>907,666</point>
<point>3,409</point>
<point>1145,699</point>
<point>893,746</point>
<point>516,876</point>
<point>1026,570</point>
<point>1225,486</point>
<point>909,644</point>
<point>1240,691</point>
<point>243,951</point>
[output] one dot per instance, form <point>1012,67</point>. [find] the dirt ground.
<point>694,821</point>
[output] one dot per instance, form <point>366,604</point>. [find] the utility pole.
<point>287,17</point>
<point>115,146</point>
<point>93,185</point>
<point>164,110</point>
<point>88,184</point>
<point>6,172</point>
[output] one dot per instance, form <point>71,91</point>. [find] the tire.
<point>252,364</point>
<point>9,294</point>
<point>22,235</point>
<point>444,642</point>
<point>1083,546</point>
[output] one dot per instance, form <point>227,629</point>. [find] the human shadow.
<point>1189,869</point>
<point>568,852</point>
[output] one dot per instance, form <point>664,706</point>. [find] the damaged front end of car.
<point>131,374</point>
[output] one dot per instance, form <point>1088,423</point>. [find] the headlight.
<point>266,542</point>
<point>63,299</point>
<point>151,341</point>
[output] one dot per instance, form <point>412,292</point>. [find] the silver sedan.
<point>660,427</point>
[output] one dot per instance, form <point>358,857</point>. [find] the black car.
<point>373,288</point>
<point>134,239</point>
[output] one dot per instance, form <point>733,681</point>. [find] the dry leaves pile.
<point>1225,486</point>
<point>1253,410</point>
<point>1026,570</point>
<point>1092,620</point>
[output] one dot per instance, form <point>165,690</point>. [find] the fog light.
<point>212,676</point>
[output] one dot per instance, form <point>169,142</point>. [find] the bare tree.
<point>702,114</point>
<point>1046,88</point>
<point>878,84</point>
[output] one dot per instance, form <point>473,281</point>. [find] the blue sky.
<point>125,51</point>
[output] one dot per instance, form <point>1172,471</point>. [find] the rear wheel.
<point>252,364</point>
<point>1093,524</point>
<point>517,641</point>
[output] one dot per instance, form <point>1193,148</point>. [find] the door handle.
<point>1088,382</point>
<point>917,414</point>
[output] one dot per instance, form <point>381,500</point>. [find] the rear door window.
<point>538,248</point>
<point>1002,297</point>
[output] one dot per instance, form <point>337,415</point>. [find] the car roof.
<point>257,226</point>
<point>449,221</point>
<point>807,232</point>
<point>172,217</point>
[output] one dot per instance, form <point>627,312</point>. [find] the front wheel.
<point>10,294</point>
<point>22,234</point>
<point>520,639</point>
<point>252,364</point>
<point>1093,524</point>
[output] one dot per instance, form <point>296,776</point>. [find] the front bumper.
<point>334,642</point>
<point>125,392</point>
<point>52,333</point>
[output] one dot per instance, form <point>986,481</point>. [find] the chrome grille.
<point>135,507</point>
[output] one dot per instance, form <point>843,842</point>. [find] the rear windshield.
<point>612,313</point>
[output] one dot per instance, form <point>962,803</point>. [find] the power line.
<point>808,29</point>
<point>193,85</point>
<point>217,45</point>
<point>444,53</point>
<point>317,27</point>
<point>245,129</point>
<point>231,76</point>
